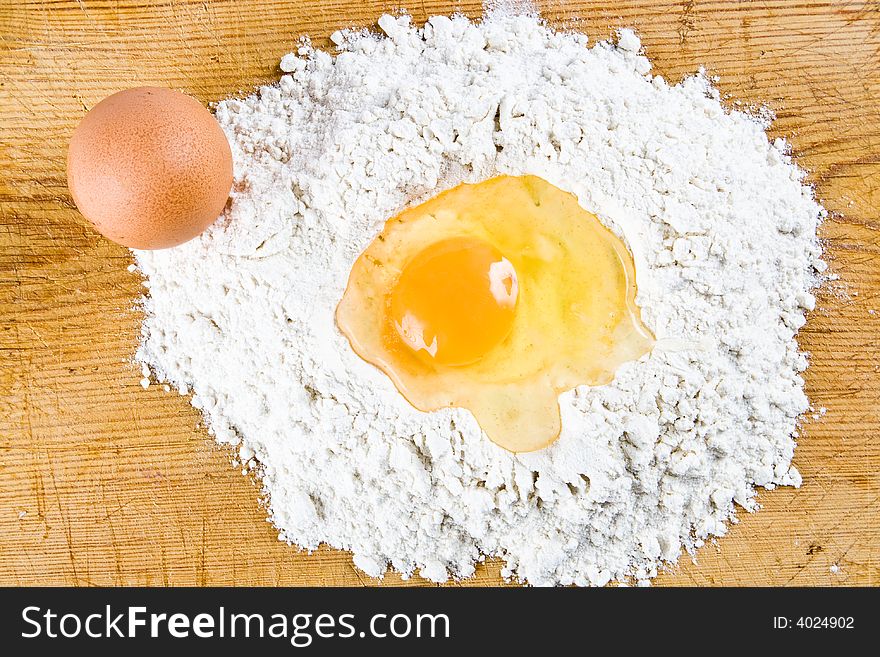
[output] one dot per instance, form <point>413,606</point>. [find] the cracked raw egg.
<point>496,297</point>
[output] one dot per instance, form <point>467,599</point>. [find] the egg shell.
<point>149,167</point>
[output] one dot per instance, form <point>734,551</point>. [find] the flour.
<point>722,227</point>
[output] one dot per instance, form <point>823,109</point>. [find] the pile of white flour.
<point>719,219</point>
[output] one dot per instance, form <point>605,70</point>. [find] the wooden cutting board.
<point>103,482</point>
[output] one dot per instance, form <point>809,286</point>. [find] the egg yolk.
<point>455,301</point>
<point>496,298</point>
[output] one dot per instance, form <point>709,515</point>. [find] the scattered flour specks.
<point>719,219</point>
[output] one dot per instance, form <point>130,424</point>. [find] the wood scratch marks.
<point>686,21</point>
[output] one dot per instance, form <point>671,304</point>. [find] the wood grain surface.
<point>104,483</point>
